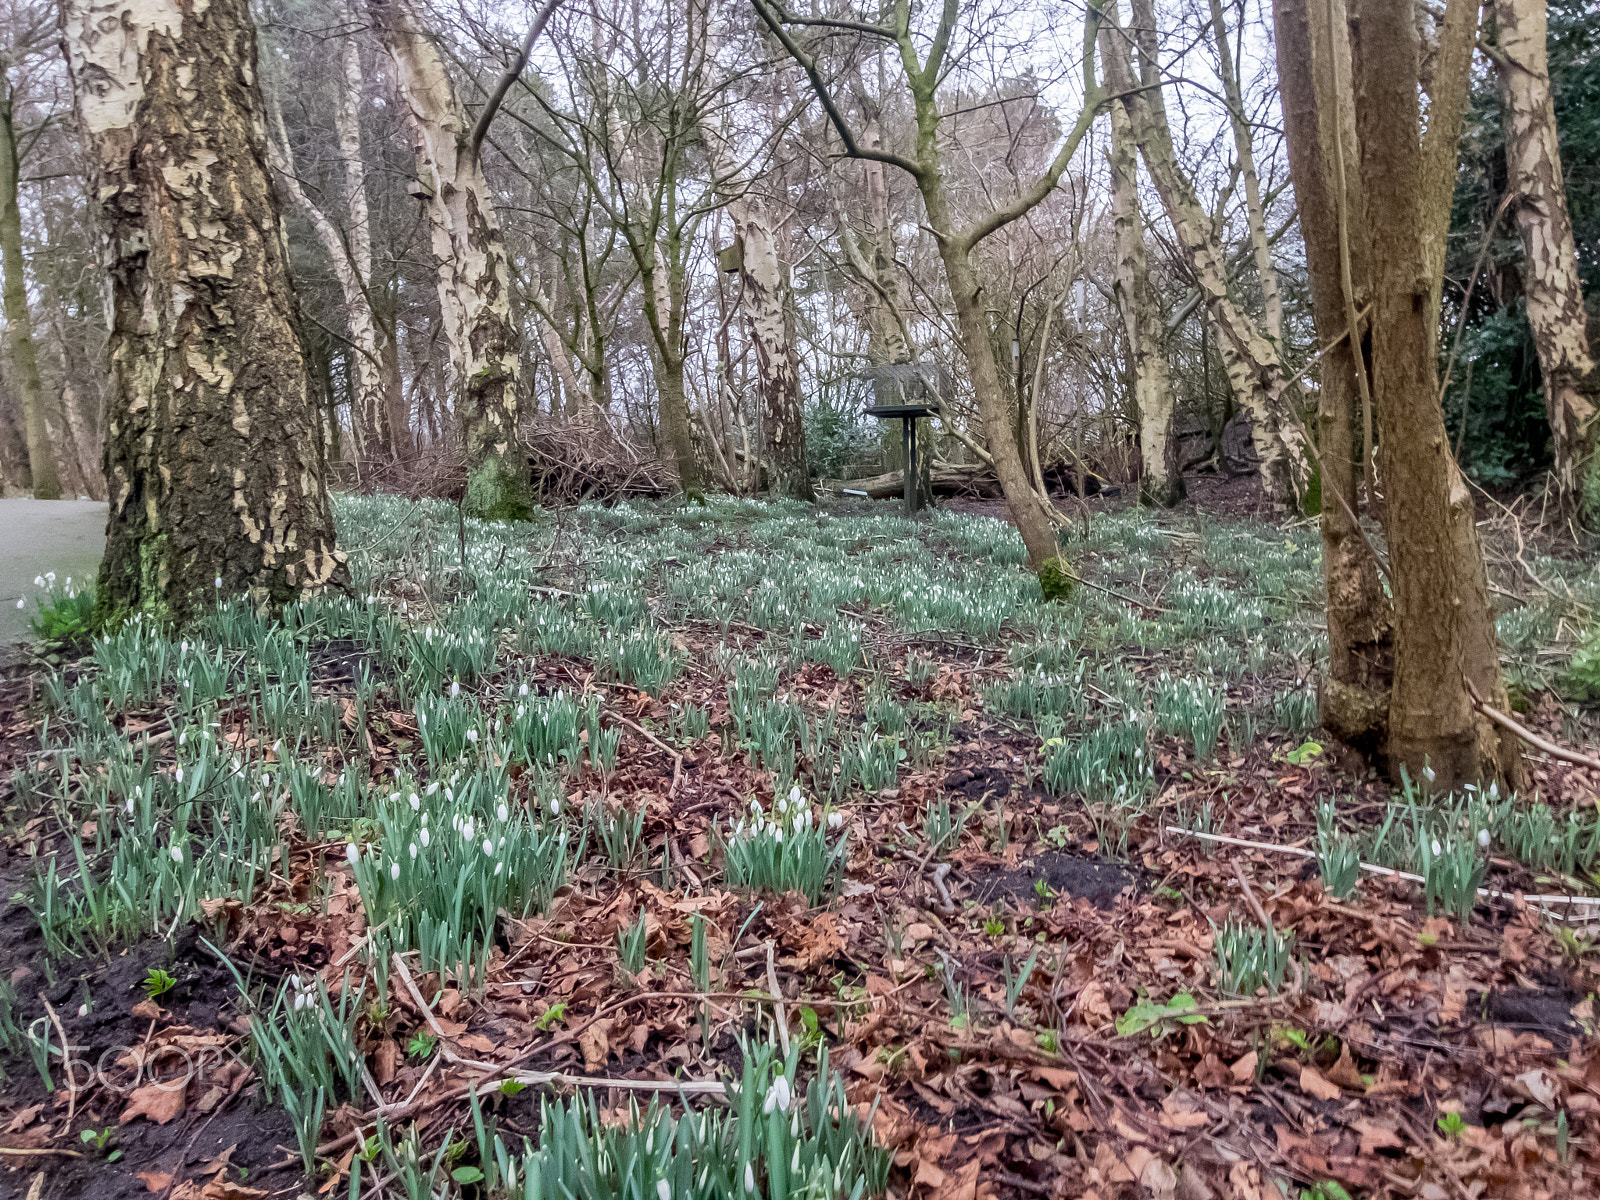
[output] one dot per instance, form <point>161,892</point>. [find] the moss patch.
<point>497,493</point>
<point>1056,579</point>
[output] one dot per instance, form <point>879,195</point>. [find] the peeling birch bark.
<point>474,288</point>
<point>380,413</point>
<point>213,458</point>
<point>1550,280</point>
<point>1160,479</point>
<point>1255,370</point>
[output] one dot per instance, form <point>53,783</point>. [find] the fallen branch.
<point>1374,869</point>
<point>1527,735</point>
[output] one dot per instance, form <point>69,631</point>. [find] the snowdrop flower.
<point>24,604</point>
<point>416,801</point>
<point>1437,849</point>
<point>351,853</point>
<point>433,787</point>
<point>1483,838</point>
<point>423,836</point>
<point>555,806</point>
<point>749,1178</point>
<point>413,852</point>
<point>777,1096</point>
<point>472,736</point>
<point>38,581</point>
<point>177,853</point>
<point>1494,791</point>
<point>300,1000</point>
<point>178,775</point>
<point>394,871</point>
<point>450,796</point>
<point>835,820</point>
<point>523,690</point>
<point>503,812</point>
<point>488,845</point>
<point>217,583</point>
<point>455,688</point>
<point>663,1189</point>
<point>777,833</point>
<point>466,829</point>
<point>794,794</point>
<point>1427,773</point>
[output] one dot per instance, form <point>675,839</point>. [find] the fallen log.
<point>956,479</point>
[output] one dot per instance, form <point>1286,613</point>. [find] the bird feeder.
<point>905,392</point>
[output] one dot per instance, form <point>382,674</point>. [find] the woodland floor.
<point>1014,968</point>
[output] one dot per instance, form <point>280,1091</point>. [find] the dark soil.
<point>1100,883</point>
<point>200,998</point>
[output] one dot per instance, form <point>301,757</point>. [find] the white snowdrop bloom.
<point>351,853</point>
<point>300,1000</point>
<point>503,812</point>
<point>177,854</point>
<point>129,806</point>
<point>455,688</point>
<point>413,852</point>
<point>394,871</point>
<point>522,691</point>
<point>423,836</point>
<point>555,807</point>
<point>422,720</point>
<point>782,806</point>
<point>1437,849</point>
<point>835,820</point>
<point>433,787</point>
<point>1483,838</point>
<point>749,1178</point>
<point>178,775</point>
<point>217,583</point>
<point>777,1096</point>
<point>1427,773</point>
<point>488,845</point>
<point>1494,791</point>
<point>424,818</point>
<point>777,833</point>
<point>38,581</point>
<point>663,1189</point>
<point>466,829</point>
<point>472,736</point>
<point>450,796</point>
<point>415,801</point>
<point>794,794</point>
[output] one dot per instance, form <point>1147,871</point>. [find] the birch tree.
<point>1550,282</point>
<point>474,278</point>
<point>1254,366</point>
<point>1160,480</point>
<point>213,456</point>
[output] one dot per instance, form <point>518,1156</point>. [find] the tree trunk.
<point>1160,480</point>
<point>474,291</point>
<point>766,315</point>
<point>1444,627</point>
<point>1254,367</point>
<point>1026,505</point>
<point>19,330</point>
<point>1549,269</point>
<point>1255,213</point>
<point>1317,109</point>
<point>15,474</point>
<point>213,460</point>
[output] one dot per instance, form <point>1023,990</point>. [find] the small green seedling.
<point>1451,1125</point>
<point>1302,754</point>
<point>556,1012</point>
<point>158,983</point>
<point>100,1141</point>
<point>421,1044</point>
